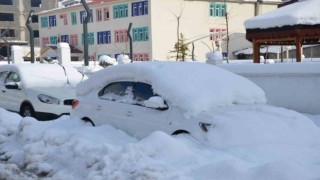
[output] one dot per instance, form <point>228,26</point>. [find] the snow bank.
<point>299,13</point>
<point>195,87</point>
<point>70,149</point>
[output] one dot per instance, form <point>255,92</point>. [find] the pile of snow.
<point>123,59</point>
<point>299,13</point>
<point>194,87</point>
<point>70,149</point>
<point>214,58</point>
<point>107,60</point>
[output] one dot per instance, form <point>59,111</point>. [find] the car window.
<point>142,92</point>
<point>118,91</point>
<point>13,77</point>
<point>3,76</point>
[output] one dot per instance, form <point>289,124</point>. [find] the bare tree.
<point>178,17</point>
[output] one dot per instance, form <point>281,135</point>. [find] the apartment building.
<point>13,16</point>
<point>154,26</point>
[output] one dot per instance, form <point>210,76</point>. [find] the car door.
<point>3,76</point>
<point>119,107</point>
<point>12,97</point>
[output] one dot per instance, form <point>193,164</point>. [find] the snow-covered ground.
<point>69,149</point>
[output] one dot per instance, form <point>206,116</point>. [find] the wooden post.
<point>298,48</point>
<point>256,51</point>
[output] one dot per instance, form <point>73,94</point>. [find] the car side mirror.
<point>156,102</point>
<point>12,85</point>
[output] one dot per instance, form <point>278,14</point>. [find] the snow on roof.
<point>194,87</point>
<point>299,13</point>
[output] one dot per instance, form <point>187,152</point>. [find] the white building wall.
<point>195,22</point>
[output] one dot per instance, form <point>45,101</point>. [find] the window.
<point>140,34</point>
<point>52,21</point>
<point>6,17</point>
<point>217,9</point>
<point>44,22</point>
<point>217,34</point>
<point>11,33</point>
<point>13,77</point>
<point>106,13</point>
<point>140,57</point>
<point>34,19</point>
<point>74,39</point>
<point>6,2</point>
<point>118,91</point>
<point>35,3</point>
<point>120,36</point>
<point>90,38</point>
<point>139,8</point>
<point>64,18</point>
<point>83,15</point>
<point>45,41</point>
<point>134,93</point>
<point>65,38</point>
<point>104,37</point>
<point>99,14</point>
<point>36,33</point>
<point>73,18</point>
<point>120,11</point>
<point>3,75</point>
<point>53,39</point>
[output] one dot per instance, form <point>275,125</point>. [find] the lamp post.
<point>31,40</point>
<point>85,32</point>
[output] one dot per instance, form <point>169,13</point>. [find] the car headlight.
<point>48,99</point>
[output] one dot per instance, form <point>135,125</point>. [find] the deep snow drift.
<point>69,149</point>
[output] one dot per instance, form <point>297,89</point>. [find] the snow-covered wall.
<point>293,86</point>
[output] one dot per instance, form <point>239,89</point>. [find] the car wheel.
<point>27,110</point>
<point>88,120</point>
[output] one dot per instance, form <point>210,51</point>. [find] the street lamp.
<point>85,32</point>
<point>31,40</point>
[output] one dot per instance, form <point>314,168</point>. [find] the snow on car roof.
<point>44,75</point>
<point>194,87</point>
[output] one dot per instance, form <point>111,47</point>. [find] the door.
<point>12,97</point>
<point>3,76</point>
<point>122,105</point>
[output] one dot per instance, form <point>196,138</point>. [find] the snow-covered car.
<point>173,97</point>
<point>43,91</point>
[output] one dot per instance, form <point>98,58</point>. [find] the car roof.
<point>43,75</point>
<point>185,84</point>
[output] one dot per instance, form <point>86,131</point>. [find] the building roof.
<point>305,12</point>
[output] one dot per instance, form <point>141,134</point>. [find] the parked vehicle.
<point>43,91</point>
<point>173,97</point>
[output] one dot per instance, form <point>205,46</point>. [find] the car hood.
<point>61,93</point>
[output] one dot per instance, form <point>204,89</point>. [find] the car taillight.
<point>75,103</point>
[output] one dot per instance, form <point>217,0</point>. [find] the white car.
<point>43,91</point>
<point>173,97</point>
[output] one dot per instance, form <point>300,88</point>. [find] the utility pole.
<point>85,32</point>
<point>31,40</point>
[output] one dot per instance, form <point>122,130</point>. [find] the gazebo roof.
<point>305,12</point>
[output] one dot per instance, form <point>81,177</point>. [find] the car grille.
<point>68,102</point>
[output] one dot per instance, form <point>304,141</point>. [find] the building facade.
<point>13,16</point>
<point>155,27</point>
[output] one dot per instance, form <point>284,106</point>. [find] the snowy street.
<point>69,149</point>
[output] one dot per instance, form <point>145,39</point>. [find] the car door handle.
<point>3,91</point>
<point>129,113</point>
<point>99,108</point>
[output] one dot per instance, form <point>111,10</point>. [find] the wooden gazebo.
<point>285,26</point>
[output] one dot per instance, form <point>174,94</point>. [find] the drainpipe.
<point>31,40</point>
<point>85,32</point>
<point>130,39</point>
